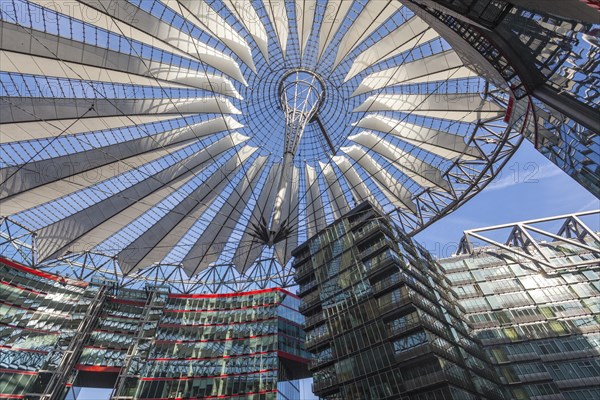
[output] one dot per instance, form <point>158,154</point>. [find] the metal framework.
<point>70,355</point>
<point>252,126</point>
<point>140,342</point>
<point>548,55</point>
<point>521,243</point>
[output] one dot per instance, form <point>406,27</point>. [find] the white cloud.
<point>524,175</point>
<point>594,204</point>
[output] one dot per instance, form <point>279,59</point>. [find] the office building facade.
<point>519,320</point>
<point>59,335</point>
<point>535,306</point>
<point>380,319</point>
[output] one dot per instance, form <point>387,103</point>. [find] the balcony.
<point>535,377</point>
<point>387,283</point>
<point>316,341</point>
<point>567,355</point>
<point>473,349</point>
<point>324,385</point>
<point>363,217</point>
<point>409,297</point>
<point>311,300</point>
<point>381,262</point>
<point>395,303</point>
<point>426,380</point>
<point>313,320</point>
<point>307,287</point>
<point>493,394</point>
<point>399,330</point>
<point>419,294</point>
<point>303,271</point>
<point>321,361</point>
<point>433,325</point>
<point>300,257</point>
<point>418,351</point>
<point>578,382</point>
<point>445,350</point>
<point>368,230</point>
<point>375,247</point>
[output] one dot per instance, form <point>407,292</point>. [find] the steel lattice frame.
<point>521,243</point>
<point>158,159</point>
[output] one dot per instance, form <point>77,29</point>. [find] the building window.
<point>409,342</point>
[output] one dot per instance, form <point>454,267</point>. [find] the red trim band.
<point>64,315</point>
<point>17,371</point>
<point>29,270</point>
<point>292,357</point>
<point>219,324</point>
<point>140,303</point>
<point>30,329</point>
<point>223,396</point>
<point>96,368</point>
<point>54,277</point>
<point>219,309</point>
<point>189,378</point>
<point>213,340</point>
<point>235,294</point>
<point>509,107</point>
<point>213,358</point>
<point>106,348</point>
<point>22,287</point>
<point>42,274</point>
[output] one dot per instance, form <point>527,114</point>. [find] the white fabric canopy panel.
<point>400,40</point>
<point>443,144</point>
<point>247,16</point>
<point>438,67</point>
<point>154,133</point>
<point>467,107</point>
<point>305,15</point>
<point>422,173</point>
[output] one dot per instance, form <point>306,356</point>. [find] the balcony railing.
<point>433,325</point>
<point>417,351</point>
<point>425,380</point>
<point>300,257</point>
<point>375,247</point>
<point>323,384</point>
<point>363,217</point>
<point>396,303</point>
<point>410,297</point>
<point>314,319</point>
<point>368,229</point>
<point>311,300</point>
<point>303,270</point>
<point>387,282</point>
<point>306,287</point>
<point>397,329</point>
<point>317,362</point>
<point>381,261</point>
<point>315,341</point>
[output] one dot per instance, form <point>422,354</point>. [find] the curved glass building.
<point>58,335</point>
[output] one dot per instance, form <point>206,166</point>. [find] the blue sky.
<point>528,187</point>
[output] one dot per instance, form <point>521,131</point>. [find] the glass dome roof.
<point>192,138</point>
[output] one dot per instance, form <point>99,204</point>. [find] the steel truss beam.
<point>68,357</point>
<point>18,243</point>
<point>521,244</point>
